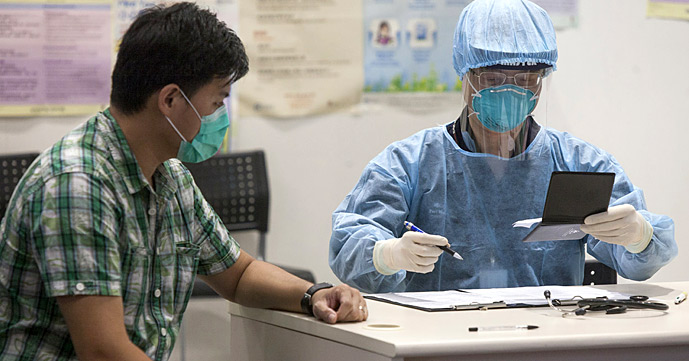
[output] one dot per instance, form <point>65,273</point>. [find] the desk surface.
<point>416,333</point>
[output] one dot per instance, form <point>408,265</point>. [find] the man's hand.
<point>259,284</point>
<point>621,225</point>
<point>339,304</point>
<point>416,252</point>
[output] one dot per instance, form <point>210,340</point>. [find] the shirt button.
<point>163,332</point>
<point>80,286</point>
<point>152,212</point>
<point>156,293</point>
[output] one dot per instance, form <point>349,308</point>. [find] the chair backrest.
<point>236,186</point>
<point>12,167</point>
<point>596,273</point>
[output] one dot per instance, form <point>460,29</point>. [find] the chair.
<point>236,186</point>
<point>596,273</point>
<point>12,167</point>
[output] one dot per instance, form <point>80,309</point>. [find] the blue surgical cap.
<point>505,32</point>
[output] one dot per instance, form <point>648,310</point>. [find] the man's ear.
<point>169,99</point>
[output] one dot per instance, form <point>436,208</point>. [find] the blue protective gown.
<point>472,199</point>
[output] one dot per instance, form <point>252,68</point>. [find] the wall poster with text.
<point>55,57</point>
<point>408,53</point>
<point>305,56</point>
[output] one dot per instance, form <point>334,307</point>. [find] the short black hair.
<point>181,44</point>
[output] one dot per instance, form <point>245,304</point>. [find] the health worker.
<point>466,182</point>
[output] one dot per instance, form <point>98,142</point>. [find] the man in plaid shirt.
<point>106,231</point>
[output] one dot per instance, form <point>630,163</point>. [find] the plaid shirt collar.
<point>126,161</point>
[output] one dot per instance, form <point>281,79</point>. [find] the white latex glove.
<point>621,225</point>
<point>416,252</point>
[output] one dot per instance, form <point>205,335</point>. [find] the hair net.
<point>506,32</point>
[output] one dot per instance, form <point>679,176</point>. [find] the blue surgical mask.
<point>503,108</point>
<point>209,139</point>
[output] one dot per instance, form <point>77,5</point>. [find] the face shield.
<point>504,50</point>
<point>504,109</point>
<point>503,169</point>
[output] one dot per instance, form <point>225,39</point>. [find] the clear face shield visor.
<point>504,109</point>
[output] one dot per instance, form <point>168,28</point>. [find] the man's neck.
<point>145,138</point>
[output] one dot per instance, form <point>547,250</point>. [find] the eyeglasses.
<point>525,80</point>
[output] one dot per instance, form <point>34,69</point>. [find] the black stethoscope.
<point>604,304</point>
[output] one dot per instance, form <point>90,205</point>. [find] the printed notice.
<point>563,13</point>
<point>305,56</point>
<point>408,45</point>
<point>55,57</point>
<point>669,9</point>
<point>408,54</point>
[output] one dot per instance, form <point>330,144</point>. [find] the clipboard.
<point>490,298</point>
<point>436,308</point>
<point>571,197</point>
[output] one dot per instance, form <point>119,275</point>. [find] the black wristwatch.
<point>306,305</point>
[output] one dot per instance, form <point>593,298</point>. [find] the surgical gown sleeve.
<point>662,248</point>
<point>374,210</point>
<point>659,252</point>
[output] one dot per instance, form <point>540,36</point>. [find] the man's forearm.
<point>96,327</point>
<point>125,351</point>
<point>267,286</point>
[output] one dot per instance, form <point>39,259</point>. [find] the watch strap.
<point>306,305</point>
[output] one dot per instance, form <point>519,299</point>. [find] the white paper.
<point>528,296</point>
<point>526,223</point>
<point>436,299</point>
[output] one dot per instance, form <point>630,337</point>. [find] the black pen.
<point>410,226</point>
<point>502,328</point>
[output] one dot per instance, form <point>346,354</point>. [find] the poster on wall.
<point>563,13</point>
<point>55,57</point>
<point>305,57</point>
<point>668,9</point>
<point>408,53</point>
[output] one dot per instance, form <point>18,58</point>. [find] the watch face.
<point>306,306</point>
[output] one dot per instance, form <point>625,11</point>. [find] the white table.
<point>418,335</point>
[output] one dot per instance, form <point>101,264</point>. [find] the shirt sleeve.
<point>219,250</point>
<point>72,230</point>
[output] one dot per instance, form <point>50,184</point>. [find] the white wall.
<point>622,84</point>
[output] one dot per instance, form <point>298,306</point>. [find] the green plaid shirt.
<point>85,221</point>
